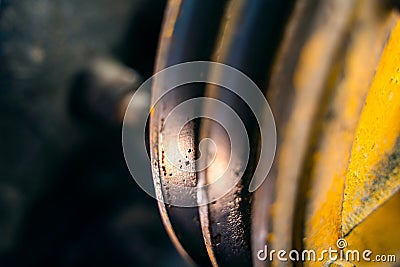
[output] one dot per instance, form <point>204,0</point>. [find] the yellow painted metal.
<point>373,175</point>
<point>337,168</point>
<point>323,216</point>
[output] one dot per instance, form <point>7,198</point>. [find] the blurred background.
<point>66,195</point>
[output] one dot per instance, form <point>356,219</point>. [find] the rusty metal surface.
<point>318,63</point>
<point>188,34</point>
<point>226,223</point>
<point>68,69</point>
<point>247,41</point>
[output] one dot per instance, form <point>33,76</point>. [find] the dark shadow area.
<point>66,195</point>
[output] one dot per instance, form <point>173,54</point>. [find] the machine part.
<point>334,76</point>
<point>221,235</point>
<point>104,90</point>
<point>188,34</point>
<point>248,39</point>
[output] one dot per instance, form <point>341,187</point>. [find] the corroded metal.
<point>248,38</point>
<point>188,34</point>
<point>248,34</point>
<point>332,83</point>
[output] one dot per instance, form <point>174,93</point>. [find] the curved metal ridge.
<point>217,234</point>
<point>249,36</point>
<point>187,35</point>
<point>324,70</point>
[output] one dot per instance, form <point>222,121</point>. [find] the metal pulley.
<point>326,68</point>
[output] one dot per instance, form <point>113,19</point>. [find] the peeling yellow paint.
<point>323,220</point>
<point>379,233</point>
<point>367,186</point>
